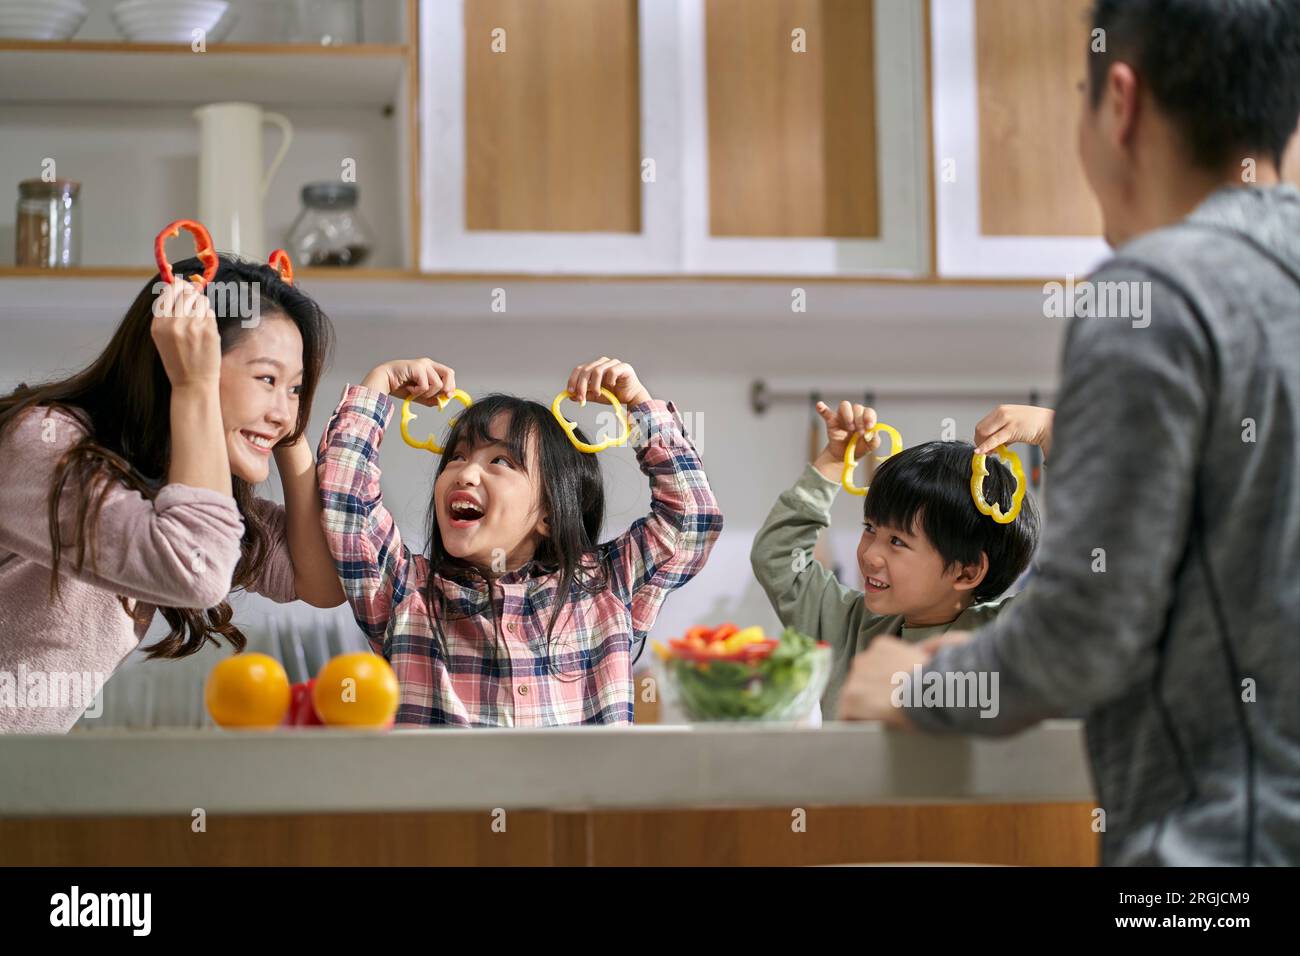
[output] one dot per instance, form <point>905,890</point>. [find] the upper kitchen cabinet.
<point>674,136</point>
<point>1010,194</point>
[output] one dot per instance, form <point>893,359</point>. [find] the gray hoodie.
<point>1167,601</point>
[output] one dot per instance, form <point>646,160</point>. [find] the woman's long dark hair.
<point>572,495</point>
<point>124,400</point>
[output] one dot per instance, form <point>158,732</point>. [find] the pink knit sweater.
<point>177,550</point>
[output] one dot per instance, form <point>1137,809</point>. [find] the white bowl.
<point>50,26</point>
<point>41,16</point>
<point>44,32</point>
<point>129,5</point>
<point>181,9</point>
<point>51,6</point>
<point>152,21</point>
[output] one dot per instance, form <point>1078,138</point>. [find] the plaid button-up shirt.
<point>496,668</point>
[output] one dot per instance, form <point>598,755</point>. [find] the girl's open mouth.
<point>875,586</point>
<point>464,511</point>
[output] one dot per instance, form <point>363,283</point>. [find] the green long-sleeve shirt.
<point>809,598</point>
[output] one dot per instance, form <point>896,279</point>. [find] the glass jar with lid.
<point>329,231</point>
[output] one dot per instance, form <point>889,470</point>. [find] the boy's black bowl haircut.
<point>925,489</point>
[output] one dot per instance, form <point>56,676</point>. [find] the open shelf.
<point>273,74</point>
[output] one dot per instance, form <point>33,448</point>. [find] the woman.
<point>127,488</point>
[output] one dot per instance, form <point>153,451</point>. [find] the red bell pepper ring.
<point>203,249</point>
<point>280,262</point>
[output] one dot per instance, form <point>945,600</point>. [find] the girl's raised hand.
<point>588,379</point>
<point>422,380</point>
<point>184,329</point>
<point>848,419</point>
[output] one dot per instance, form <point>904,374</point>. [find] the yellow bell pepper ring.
<point>569,426</point>
<point>979,471</point>
<point>408,416</point>
<point>851,460</point>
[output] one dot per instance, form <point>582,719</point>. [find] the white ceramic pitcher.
<point>232,183</point>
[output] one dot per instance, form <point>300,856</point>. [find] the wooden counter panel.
<point>1010,834</point>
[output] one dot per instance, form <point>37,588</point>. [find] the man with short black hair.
<point>1166,606</point>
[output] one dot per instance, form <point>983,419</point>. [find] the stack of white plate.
<point>41,19</point>
<point>172,21</point>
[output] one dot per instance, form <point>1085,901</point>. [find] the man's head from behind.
<point>1184,91</point>
<point>926,551</point>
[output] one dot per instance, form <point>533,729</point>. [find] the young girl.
<point>514,616</point>
<point>127,487</point>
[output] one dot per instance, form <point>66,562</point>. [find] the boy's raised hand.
<point>422,380</point>
<point>586,381</point>
<point>844,421</point>
<point>1008,424</point>
<point>841,423</point>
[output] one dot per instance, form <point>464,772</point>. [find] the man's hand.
<point>1008,424</point>
<point>932,645</point>
<point>870,685</point>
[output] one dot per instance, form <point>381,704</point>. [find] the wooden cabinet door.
<point>804,137</point>
<point>1010,193</point>
<point>538,118</point>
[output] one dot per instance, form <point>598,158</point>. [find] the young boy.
<point>931,561</point>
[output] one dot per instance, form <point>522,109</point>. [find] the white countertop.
<point>125,772</point>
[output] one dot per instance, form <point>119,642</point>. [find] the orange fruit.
<point>357,690</point>
<point>247,690</point>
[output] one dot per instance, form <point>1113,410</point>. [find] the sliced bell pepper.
<point>746,636</point>
<point>203,250</point>
<point>280,262</point>
<point>569,427</point>
<point>979,470</point>
<point>724,631</point>
<point>851,460</point>
<point>430,444</point>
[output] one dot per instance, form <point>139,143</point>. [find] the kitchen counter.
<point>149,772</point>
<point>584,794</point>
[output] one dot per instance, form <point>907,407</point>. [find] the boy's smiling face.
<point>904,574</point>
<point>488,504</point>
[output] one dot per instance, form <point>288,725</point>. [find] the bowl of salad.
<point>732,673</point>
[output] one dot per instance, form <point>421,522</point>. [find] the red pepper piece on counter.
<point>203,250</point>
<point>302,712</point>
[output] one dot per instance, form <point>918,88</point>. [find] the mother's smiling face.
<point>261,386</point>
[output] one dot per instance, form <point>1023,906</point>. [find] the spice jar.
<point>48,233</point>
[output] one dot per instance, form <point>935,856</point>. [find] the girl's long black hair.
<point>572,495</point>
